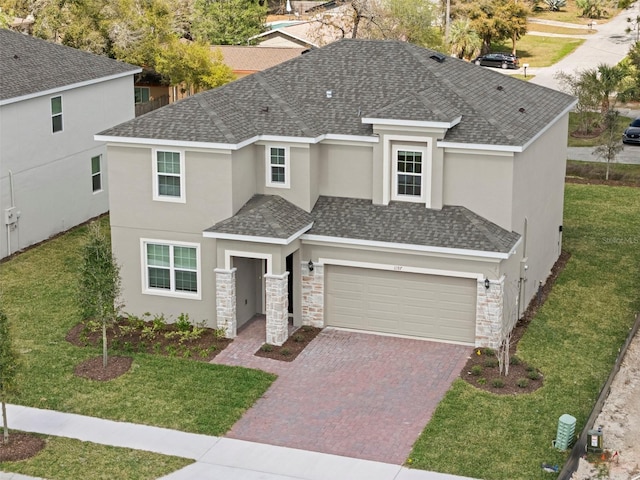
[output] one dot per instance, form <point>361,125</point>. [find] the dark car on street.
<point>500,60</point>
<point>632,133</point>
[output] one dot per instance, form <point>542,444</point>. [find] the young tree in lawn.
<point>8,369</point>
<point>509,319</point>
<point>99,283</point>
<point>580,86</point>
<point>612,144</point>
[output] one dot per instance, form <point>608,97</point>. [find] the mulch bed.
<point>482,371</point>
<point>144,337</point>
<point>292,347</point>
<point>93,369</point>
<point>20,447</point>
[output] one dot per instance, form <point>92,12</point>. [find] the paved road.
<point>630,154</point>
<point>608,45</point>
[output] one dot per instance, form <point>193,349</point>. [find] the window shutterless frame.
<point>96,173</point>
<point>169,176</point>
<point>170,268</point>
<point>277,169</point>
<point>56,114</point>
<point>410,173</point>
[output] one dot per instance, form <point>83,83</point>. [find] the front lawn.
<point>539,51</point>
<point>573,340</point>
<point>37,293</point>
<point>65,458</point>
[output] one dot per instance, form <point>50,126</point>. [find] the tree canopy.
<point>227,22</point>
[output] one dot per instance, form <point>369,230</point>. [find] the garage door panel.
<point>398,302</point>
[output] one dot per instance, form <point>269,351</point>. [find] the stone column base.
<point>226,301</point>
<point>277,299</point>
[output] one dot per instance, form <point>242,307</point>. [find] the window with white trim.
<point>171,268</point>
<point>56,114</point>
<point>169,177</point>
<point>409,173</point>
<point>96,173</point>
<point>277,166</point>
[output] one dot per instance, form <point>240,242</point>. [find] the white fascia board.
<point>404,246</point>
<point>231,146</point>
<point>411,123</point>
<point>507,148</point>
<point>550,124</point>
<point>72,86</point>
<point>478,146</point>
<point>249,238</point>
<point>515,246</point>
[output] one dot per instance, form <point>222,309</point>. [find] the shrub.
<point>267,347</point>
<point>498,383</point>
<point>522,382</point>
<point>183,324</point>
<point>298,338</point>
<point>489,352</point>
<point>555,5</point>
<point>476,370</point>
<point>482,381</point>
<point>514,360</point>
<point>533,375</point>
<point>490,362</point>
<point>285,352</point>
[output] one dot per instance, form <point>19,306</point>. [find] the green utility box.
<point>594,441</point>
<point>566,432</point>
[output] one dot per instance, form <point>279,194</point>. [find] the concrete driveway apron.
<point>352,394</point>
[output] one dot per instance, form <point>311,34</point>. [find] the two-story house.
<point>368,185</point>
<point>52,101</point>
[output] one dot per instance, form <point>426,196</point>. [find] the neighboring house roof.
<point>267,218</point>
<point>370,81</point>
<point>251,59</point>
<point>30,67</point>
<point>400,223</point>
<point>294,35</point>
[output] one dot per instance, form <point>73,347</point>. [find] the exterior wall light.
<point>310,264</point>
<point>487,284</point>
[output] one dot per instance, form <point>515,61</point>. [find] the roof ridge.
<point>215,118</point>
<point>260,78</point>
<point>480,224</point>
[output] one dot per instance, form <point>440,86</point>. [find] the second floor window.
<point>169,176</point>
<point>56,114</point>
<point>409,173</point>
<point>96,173</point>
<point>277,163</point>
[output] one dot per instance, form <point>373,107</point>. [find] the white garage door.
<point>431,306</point>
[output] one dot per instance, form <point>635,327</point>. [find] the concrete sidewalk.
<point>215,458</point>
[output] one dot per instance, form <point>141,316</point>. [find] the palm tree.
<point>464,42</point>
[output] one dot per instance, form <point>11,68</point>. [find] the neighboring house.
<point>53,100</point>
<point>369,185</point>
<point>245,60</point>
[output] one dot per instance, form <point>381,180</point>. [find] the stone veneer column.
<point>489,313</point>
<point>277,299</point>
<point>313,295</point>
<point>226,301</point>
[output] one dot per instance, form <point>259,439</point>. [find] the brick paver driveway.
<point>353,394</point>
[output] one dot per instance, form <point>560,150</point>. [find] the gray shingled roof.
<point>269,216</point>
<point>266,216</point>
<point>30,65</point>
<point>409,223</point>
<point>368,78</point>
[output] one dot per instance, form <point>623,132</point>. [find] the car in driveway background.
<point>500,60</point>
<point>631,134</point>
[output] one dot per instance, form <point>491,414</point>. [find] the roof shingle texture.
<point>30,65</point>
<point>266,216</point>
<point>269,216</point>
<point>367,78</point>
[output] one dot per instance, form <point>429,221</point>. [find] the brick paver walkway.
<point>353,394</point>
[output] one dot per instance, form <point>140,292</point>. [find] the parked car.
<point>632,132</point>
<point>501,60</point>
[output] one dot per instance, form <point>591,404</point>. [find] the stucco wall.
<point>52,187</point>
<point>480,182</point>
<point>346,170</point>
<point>538,196</point>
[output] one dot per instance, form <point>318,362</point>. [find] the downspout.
<point>13,204</point>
